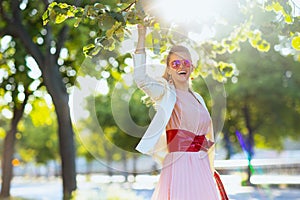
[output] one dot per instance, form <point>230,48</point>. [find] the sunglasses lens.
<point>186,63</point>
<point>176,64</point>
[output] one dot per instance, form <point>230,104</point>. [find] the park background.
<point>66,87</point>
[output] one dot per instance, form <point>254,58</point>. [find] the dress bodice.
<point>188,114</point>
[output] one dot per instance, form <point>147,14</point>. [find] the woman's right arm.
<point>153,88</point>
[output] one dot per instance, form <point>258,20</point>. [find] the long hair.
<point>175,50</point>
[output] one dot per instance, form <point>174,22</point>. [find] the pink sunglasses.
<point>175,64</point>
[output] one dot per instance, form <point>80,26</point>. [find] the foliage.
<point>20,73</point>
<point>15,81</point>
<point>47,55</point>
<point>39,126</point>
<point>104,131</point>
<point>287,23</point>
<point>113,19</point>
<point>109,18</point>
<point>267,88</point>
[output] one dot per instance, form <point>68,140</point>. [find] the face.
<point>180,67</point>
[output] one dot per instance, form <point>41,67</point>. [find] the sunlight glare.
<point>4,42</point>
<point>35,71</point>
<point>296,7</point>
<point>184,11</point>
<point>102,87</point>
<point>7,113</point>
<point>87,87</point>
<point>3,75</point>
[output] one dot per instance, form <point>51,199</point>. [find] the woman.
<point>181,127</point>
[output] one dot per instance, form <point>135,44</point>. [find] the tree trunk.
<point>125,167</point>
<point>60,98</point>
<point>249,142</point>
<point>8,152</point>
<point>52,79</point>
<point>67,148</point>
<point>228,145</point>
<point>134,166</point>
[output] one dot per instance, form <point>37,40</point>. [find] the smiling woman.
<point>181,131</point>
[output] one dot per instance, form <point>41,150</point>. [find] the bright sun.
<point>186,10</point>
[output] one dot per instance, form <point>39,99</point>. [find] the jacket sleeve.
<point>154,88</point>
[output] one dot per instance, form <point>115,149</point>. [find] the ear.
<point>193,68</point>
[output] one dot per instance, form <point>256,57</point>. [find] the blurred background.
<point>71,115</point>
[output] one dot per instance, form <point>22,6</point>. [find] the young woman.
<point>181,128</point>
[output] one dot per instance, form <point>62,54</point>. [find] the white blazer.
<point>164,95</point>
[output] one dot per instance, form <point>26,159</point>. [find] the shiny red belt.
<point>182,140</point>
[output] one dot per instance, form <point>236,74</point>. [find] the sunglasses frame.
<point>185,62</point>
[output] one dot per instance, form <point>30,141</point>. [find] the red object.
<point>220,186</point>
<point>182,140</point>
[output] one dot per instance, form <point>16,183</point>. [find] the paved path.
<point>50,189</point>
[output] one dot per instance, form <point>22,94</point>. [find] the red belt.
<point>182,140</point>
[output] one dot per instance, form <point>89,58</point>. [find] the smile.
<point>182,72</point>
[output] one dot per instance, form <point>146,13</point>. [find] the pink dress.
<point>187,175</point>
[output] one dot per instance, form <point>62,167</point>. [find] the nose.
<point>183,65</point>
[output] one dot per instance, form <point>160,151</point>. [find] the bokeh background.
<point>71,115</point>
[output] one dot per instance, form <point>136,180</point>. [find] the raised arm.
<point>152,87</point>
<point>140,47</point>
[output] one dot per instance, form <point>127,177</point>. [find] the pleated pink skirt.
<point>186,176</point>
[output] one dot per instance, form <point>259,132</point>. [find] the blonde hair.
<point>175,50</point>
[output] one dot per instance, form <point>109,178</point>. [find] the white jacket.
<point>164,95</point>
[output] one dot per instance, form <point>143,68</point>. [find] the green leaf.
<point>217,75</point>
<point>296,43</point>
<point>77,22</point>
<point>63,5</point>
<point>118,16</point>
<point>60,18</point>
<point>219,49</point>
<point>99,6</point>
<point>109,44</point>
<point>288,19</point>
<point>156,40</point>
<point>111,3</point>
<point>87,49</point>
<point>253,42</point>
<point>264,46</point>
<point>113,29</point>
<point>45,15</point>
<point>115,74</point>
<point>106,22</point>
<point>277,7</point>
<point>70,14</point>
<point>51,5</point>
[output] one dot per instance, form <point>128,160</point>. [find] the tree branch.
<point>128,7</point>
<point>62,36</point>
<point>15,6</point>
<point>46,2</point>
<point>3,14</point>
<point>18,30</point>
<point>8,30</point>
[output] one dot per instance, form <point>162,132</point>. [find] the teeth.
<point>182,72</point>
